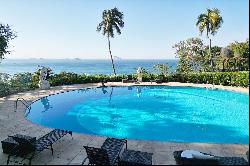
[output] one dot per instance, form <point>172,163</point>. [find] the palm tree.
<point>111,19</point>
<point>210,21</point>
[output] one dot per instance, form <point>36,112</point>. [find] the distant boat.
<point>78,59</point>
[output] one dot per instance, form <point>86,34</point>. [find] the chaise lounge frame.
<point>27,150</point>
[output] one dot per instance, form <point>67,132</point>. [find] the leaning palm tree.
<point>210,21</point>
<point>111,19</point>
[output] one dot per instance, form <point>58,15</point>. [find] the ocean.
<point>13,66</point>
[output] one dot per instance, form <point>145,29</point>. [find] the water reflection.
<point>46,104</point>
<point>104,91</point>
<point>130,88</point>
<point>138,91</point>
<point>111,93</point>
<point>83,90</point>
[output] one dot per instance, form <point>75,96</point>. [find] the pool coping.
<point>172,84</point>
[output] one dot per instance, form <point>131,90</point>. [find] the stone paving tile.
<point>96,141</point>
<point>79,158</point>
<point>68,151</point>
<point>163,158</point>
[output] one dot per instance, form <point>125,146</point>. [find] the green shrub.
<point>68,78</point>
<point>217,78</point>
<point>27,81</point>
<point>18,83</point>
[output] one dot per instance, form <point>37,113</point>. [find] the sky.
<point>60,29</point>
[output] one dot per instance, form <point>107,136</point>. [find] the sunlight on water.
<point>164,113</point>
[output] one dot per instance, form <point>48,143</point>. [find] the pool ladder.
<point>24,102</point>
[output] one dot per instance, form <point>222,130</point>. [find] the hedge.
<point>19,84</point>
<point>217,78</point>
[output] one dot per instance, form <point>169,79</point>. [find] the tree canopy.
<point>191,53</point>
<point>6,34</point>
<point>240,49</point>
<point>112,19</point>
<point>194,56</point>
<point>210,21</point>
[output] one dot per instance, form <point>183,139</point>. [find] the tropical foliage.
<point>17,83</point>
<point>240,49</point>
<point>194,56</point>
<point>112,20</point>
<point>24,81</point>
<point>6,34</point>
<point>236,56</point>
<point>191,54</point>
<point>162,68</point>
<point>210,21</point>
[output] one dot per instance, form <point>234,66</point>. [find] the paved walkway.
<point>68,151</point>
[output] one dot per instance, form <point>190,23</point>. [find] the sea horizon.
<point>119,58</point>
<point>80,66</point>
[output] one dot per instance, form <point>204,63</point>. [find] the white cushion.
<point>189,153</point>
<point>203,156</point>
<point>195,154</point>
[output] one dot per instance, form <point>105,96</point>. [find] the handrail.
<point>23,101</point>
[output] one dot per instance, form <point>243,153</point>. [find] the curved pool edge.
<point>119,84</point>
<point>14,122</point>
<point>115,84</point>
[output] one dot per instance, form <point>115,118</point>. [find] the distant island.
<point>78,59</point>
<point>117,58</point>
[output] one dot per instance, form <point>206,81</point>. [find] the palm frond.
<point>211,21</point>
<point>118,30</point>
<point>111,19</point>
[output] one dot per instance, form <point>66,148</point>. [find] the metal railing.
<point>24,102</point>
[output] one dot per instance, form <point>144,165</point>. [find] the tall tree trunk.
<point>113,65</point>
<point>223,65</point>
<point>234,64</point>
<point>210,54</point>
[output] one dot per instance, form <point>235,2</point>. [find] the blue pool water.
<point>163,113</point>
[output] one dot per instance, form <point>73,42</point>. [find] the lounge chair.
<point>132,157</point>
<point>108,154</point>
<point>247,153</point>
<point>128,79</point>
<point>216,160</point>
<point>157,80</point>
<point>27,148</point>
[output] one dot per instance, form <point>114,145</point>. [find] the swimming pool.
<point>162,113</point>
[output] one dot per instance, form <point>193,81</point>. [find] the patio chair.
<point>27,149</point>
<point>128,79</point>
<point>132,157</point>
<point>247,153</point>
<point>216,160</point>
<point>108,154</point>
<point>157,80</point>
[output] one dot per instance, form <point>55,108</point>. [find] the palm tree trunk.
<point>210,54</point>
<point>223,65</point>
<point>113,65</point>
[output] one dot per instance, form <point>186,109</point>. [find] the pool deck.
<point>68,151</point>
